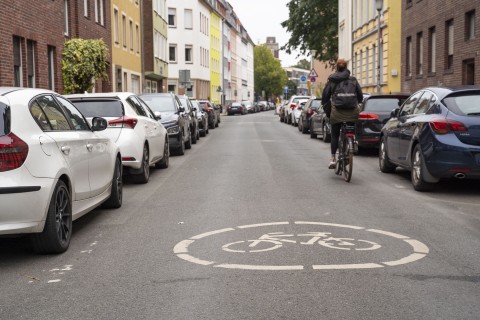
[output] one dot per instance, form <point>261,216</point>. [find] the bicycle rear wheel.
<point>348,159</point>
<point>339,157</point>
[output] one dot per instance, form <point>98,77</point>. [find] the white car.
<point>297,111</point>
<point>54,167</point>
<point>288,108</point>
<point>132,125</point>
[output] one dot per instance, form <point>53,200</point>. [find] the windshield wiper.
<point>473,114</point>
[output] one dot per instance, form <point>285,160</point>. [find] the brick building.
<point>33,40</point>
<point>440,46</point>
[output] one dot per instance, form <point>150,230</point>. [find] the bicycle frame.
<point>346,145</point>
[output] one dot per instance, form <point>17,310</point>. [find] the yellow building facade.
<point>367,58</point>
<point>215,57</point>
<point>126,46</point>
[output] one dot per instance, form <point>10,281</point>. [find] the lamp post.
<point>379,7</point>
<point>313,52</point>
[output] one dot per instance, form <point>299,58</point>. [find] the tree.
<point>84,61</point>
<point>303,64</point>
<point>268,72</point>
<point>313,25</point>
<point>292,87</point>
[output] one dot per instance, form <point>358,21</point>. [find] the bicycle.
<point>346,148</point>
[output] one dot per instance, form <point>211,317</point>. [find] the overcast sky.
<point>261,19</point>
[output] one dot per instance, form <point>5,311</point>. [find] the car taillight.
<point>368,116</point>
<point>443,126</point>
<point>309,112</point>
<point>13,152</point>
<point>293,105</point>
<point>123,121</point>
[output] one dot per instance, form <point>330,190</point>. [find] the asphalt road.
<point>250,224</point>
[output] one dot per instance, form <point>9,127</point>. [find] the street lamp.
<point>313,52</point>
<point>379,7</point>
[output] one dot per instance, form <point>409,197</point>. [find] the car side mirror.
<point>158,115</point>
<point>181,109</point>
<point>194,109</point>
<point>99,124</point>
<point>394,113</point>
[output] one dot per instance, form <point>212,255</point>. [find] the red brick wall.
<point>424,14</point>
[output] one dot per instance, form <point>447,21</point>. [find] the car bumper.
<point>131,148</point>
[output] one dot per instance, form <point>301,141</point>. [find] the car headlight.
<point>173,130</point>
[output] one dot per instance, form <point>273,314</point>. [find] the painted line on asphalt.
<point>411,258</point>
<point>347,266</point>
<point>418,247</point>
<point>329,224</point>
<point>206,234</point>
<point>262,225</point>
<point>257,267</point>
<point>189,258</point>
<point>182,246</point>
<point>390,234</point>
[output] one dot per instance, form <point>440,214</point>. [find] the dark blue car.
<point>435,134</point>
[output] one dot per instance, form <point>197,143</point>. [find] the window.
<point>137,33</point>
<point>154,87</point>
<point>85,8</point>
<point>470,25</point>
<point>172,17</point>
<point>449,45</point>
<point>137,107</point>
<point>424,103</point>
<point>119,79</point>
<point>409,105</point>
<point>374,62</point>
<point>188,54</point>
<point>124,30</point>
<point>131,35</point>
<point>17,61</point>
<point>367,64</point>
<point>51,114</point>
<point>76,118</point>
<point>135,84</point>
<point>432,50</point>
<point>51,68</point>
<point>31,64</point>
<point>115,26</point>
<point>409,57</point>
<point>99,11</point>
<point>188,19</point>
<point>65,17</point>
<point>420,53</point>
<point>172,56</point>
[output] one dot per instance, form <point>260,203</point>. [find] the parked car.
<point>132,126</point>
<point>249,106</point>
<point>218,111</point>
<point>320,125</point>
<point>54,167</point>
<point>310,108</point>
<point>211,112</point>
<point>297,111</point>
<point>435,134</point>
<point>236,107</point>
<point>187,105</point>
<point>375,112</point>
<point>288,108</point>
<point>281,110</point>
<point>175,118</point>
<point>202,118</point>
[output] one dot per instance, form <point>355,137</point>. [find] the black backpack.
<point>344,94</point>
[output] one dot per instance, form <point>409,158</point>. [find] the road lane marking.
<point>329,224</point>
<point>346,266</point>
<point>182,246</point>
<point>206,234</point>
<point>189,258</point>
<point>262,225</point>
<point>390,234</point>
<point>257,267</point>
<point>411,258</point>
<point>418,247</point>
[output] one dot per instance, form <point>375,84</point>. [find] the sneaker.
<point>331,165</point>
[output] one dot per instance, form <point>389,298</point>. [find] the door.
<point>144,121</point>
<point>71,143</point>
<point>101,160</point>
<point>158,135</point>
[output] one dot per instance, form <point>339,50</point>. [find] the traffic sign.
<point>285,89</point>
<point>303,78</point>
<point>313,73</point>
<point>313,79</point>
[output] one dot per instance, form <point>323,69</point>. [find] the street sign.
<point>313,79</point>
<point>313,73</point>
<point>303,78</point>
<point>285,89</point>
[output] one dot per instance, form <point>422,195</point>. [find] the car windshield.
<point>383,104</point>
<point>183,100</point>
<point>160,103</point>
<point>236,104</point>
<point>316,104</point>
<point>464,104</point>
<point>99,108</point>
<point>4,119</point>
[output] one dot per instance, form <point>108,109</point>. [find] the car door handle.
<point>65,149</point>
<point>89,147</point>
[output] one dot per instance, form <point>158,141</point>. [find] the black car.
<point>213,115</point>
<point>310,108</point>
<point>187,105</point>
<point>202,117</point>
<point>236,108</point>
<point>320,125</point>
<point>175,118</point>
<point>375,111</point>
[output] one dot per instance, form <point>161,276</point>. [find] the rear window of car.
<point>160,103</point>
<point>316,104</point>
<point>4,119</point>
<point>466,104</point>
<point>383,104</point>
<point>236,104</point>
<point>100,108</point>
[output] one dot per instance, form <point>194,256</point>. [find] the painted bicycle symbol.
<point>275,240</point>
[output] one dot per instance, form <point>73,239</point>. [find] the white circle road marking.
<point>420,250</point>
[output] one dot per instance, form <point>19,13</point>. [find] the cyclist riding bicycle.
<point>344,94</point>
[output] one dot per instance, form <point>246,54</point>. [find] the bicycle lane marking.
<point>419,248</point>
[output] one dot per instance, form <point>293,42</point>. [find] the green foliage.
<point>268,72</point>
<point>292,87</point>
<point>303,64</point>
<point>313,25</point>
<point>84,61</point>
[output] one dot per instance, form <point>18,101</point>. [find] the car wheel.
<point>57,232</point>
<point>144,175</point>
<point>385,165</point>
<point>327,136</point>
<point>116,195</point>
<point>304,129</point>
<point>203,133</point>
<point>194,137</point>
<point>163,164</point>
<point>299,126</point>
<point>188,144</point>
<point>418,171</point>
<point>181,150</point>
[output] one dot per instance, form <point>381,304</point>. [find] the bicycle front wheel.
<point>348,159</point>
